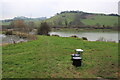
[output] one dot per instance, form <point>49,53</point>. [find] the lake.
<point>91,36</point>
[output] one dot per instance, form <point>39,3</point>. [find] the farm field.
<point>102,20</point>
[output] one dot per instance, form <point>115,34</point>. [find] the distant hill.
<point>7,21</point>
<point>26,18</point>
<point>83,19</point>
<point>74,19</point>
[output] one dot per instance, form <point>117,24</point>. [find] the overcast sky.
<point>48,8</point>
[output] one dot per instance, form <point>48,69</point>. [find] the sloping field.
<point>49,57</point>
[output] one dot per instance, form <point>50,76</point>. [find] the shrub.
<point>8,33</point>
<point>84,38</point>
<point>74,36</point>
<point>44,29</point>
<point>55,35</point>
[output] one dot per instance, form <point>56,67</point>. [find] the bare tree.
<point>19,25</point>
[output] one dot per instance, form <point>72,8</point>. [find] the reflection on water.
<point>91,36</point>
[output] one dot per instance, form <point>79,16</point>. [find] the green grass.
<point>5,23</point>
<point>49,57</point>
<point>102,20</point>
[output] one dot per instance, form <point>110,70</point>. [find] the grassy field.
<point>49,57</point>
<point>102,20</point>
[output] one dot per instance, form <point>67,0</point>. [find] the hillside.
<point>102,20</point>
<point>50,57</point>
<point>74,19</point>
<point>79,19</point>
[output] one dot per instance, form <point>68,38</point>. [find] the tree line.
<point>23,27</point>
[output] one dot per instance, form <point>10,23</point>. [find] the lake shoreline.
<point>84,30</point>
<point>90,35</point>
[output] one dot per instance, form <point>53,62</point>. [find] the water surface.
<point>91,36</point>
